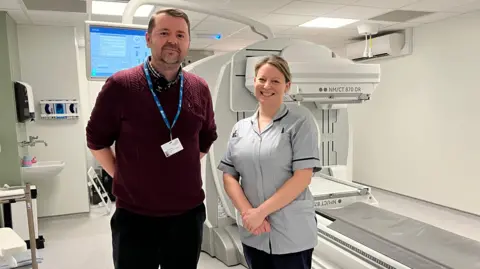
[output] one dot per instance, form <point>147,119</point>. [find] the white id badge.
<point>172,147</point>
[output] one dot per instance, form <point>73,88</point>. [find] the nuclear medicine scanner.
<point>353,232</point>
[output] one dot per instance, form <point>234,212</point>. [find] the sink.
<point>42,170</point>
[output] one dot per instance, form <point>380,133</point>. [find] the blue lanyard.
<point>162,112</point>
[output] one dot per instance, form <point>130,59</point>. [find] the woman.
<point>267,169</point>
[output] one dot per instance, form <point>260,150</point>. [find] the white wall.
<point>16,75</point>
<point>48,60</point>
<point>88,89</point>
<point>88,92</point>
<point>420,135</point>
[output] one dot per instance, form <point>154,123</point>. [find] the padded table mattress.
<point>413,243</point>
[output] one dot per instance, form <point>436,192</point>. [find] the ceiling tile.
<point>56,17</point>
<point>385,3</point>
<point>436,5</point>
<point>325,40</point>
<point>57,5</point>
<point>473,6</point>
<point>221,22</point>
<point>193,16</point>
<point>381,24</point>
<point>340,32</point>
<point>330,34</point>
<point>338,2</point>
<point>473,14</point>
<point>193,24</point>
<point>278,19</point>
<point>401,26</point>
<point>112,18</point>
<point>434,17</point>
<point>307,8</point>
<point>255,15</point>
<point>237,35</point>
<point>216,27</point>
<point>357,12</point>
<point>401,15</point>
<point>9,5</point>
<point>263,6</point>
<point>290,36</point>
<point>213,18</point>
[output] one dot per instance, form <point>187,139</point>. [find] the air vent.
<point>400,15</point>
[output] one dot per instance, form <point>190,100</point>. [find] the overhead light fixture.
<point>117,8</point>
<point>328,23</point>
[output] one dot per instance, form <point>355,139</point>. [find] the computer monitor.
<point>111,47</point>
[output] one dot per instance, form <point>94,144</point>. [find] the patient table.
<point>412,243</point>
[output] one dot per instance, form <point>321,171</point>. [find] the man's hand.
<point>264,228</point>
<point>253,219</point>
<point>106,158</point>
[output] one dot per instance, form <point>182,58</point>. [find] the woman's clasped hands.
<point>255,221</point>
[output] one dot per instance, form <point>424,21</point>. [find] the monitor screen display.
<point>112,49</point>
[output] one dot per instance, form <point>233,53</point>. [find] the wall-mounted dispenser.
<point>59,109</point>
<point>24,101</point>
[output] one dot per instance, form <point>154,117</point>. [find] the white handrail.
<point>257,27</point>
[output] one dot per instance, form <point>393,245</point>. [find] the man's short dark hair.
<point>171,12</point>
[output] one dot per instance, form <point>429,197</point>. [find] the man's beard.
<point>169,57</point>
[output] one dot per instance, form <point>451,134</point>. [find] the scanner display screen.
<point>113,49</point>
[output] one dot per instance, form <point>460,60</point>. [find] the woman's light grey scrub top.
<point>263,162</point>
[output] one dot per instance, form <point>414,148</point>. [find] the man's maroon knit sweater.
<point>125,113</point>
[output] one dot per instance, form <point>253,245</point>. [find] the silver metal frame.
<point>27,198</point>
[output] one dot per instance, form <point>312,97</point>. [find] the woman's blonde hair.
<point>279,63</point>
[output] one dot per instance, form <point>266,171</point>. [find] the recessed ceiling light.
<point>328,22</point>
<point>117,8</point>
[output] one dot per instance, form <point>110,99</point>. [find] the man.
<point>161,120</point>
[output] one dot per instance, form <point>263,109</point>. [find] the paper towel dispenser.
<point>24,101</point>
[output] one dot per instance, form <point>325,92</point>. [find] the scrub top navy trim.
<point>279,119</point>
<point>263,162</point>
<point>304,159</point>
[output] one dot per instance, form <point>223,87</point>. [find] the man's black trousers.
<point>142,242</point>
